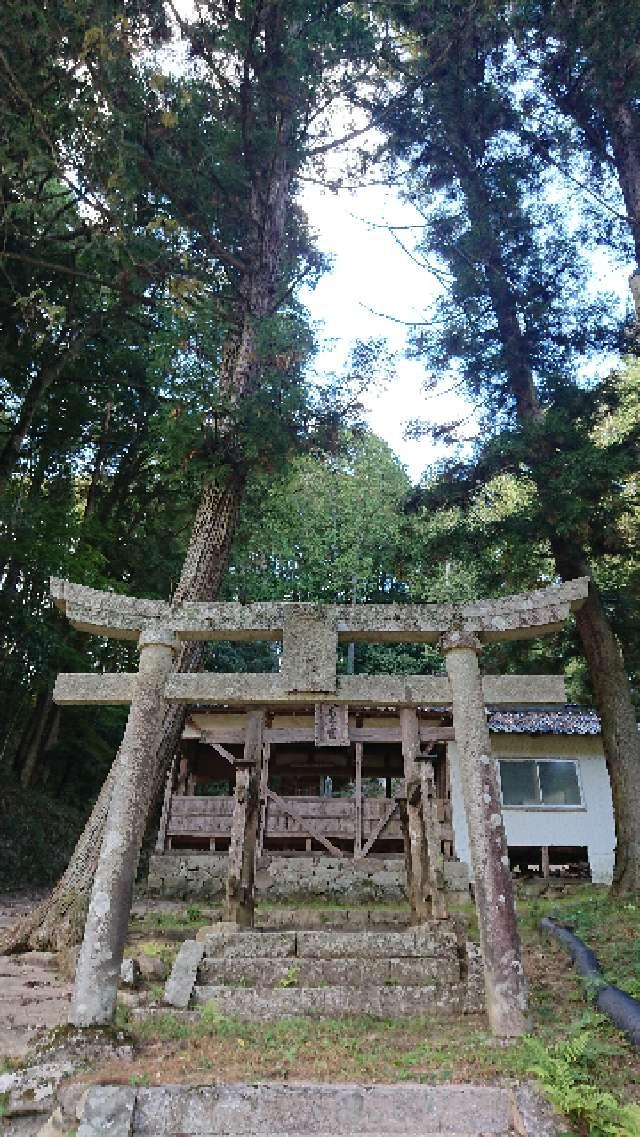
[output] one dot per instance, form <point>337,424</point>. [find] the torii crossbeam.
<point>310,634</point>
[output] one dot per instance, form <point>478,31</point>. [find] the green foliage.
<point>135,199</point>
<point>332,525</point>
<point>292,977</point>
<point>37,835</point>
<point>565,1072</point>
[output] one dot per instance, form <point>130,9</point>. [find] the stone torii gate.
<point>310,634</point>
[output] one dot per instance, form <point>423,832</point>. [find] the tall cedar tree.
<point>514,338</point>
<point>587,57</point>
<point>220,148</point>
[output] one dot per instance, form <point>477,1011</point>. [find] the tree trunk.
<point>620,737</point>
<point>624,127</point>
<point>59,920</point>
<point>37,738</point>
<point>100,455</point>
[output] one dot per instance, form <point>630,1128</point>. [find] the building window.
<point>542,782</point>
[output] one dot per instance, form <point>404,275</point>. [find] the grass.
<point>584,1064</point>
<point>158,949</point>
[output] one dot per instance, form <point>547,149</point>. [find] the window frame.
<point>555,807</point>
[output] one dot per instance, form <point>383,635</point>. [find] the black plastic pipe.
<point>622,1009</point>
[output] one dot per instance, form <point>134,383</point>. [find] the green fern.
<point>564,1071</point>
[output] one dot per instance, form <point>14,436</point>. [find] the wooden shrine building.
<point>328,783</point>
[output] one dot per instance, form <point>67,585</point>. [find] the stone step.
<point>346,972</point>
<point>259,965</point>
<point>425,941</point>
<point>333,1001</point>
<point>305,1110</point>
<point>318,918</point>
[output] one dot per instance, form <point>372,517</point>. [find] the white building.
<point>556,795</point>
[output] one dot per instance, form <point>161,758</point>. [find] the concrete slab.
<point>108,1112</point>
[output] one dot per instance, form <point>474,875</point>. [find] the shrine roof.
<point>570,719</point>
<point>567,719</point>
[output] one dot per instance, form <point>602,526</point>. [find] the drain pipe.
<point>622,1009</point>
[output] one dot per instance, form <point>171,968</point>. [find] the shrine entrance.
<point>330,795</point>
<point>308,677</point>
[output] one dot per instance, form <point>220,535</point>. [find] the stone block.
<point>337,945</point>
<point>456,876</point>
<point>309,648</point>
<point>532,1115</point>
<point>271,1108</point>
<point>309,972</point>
<point>129,972</point>
<point>31,1089</point>
<point>151,967</point>
<point>48,960</point>
<point>217,933</point>
<point>108,1112</point>
<point>181,981</point>
<point>335,1001</point>
<point>254,945</point>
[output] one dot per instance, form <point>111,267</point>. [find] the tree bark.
<point>624,127</point>
<point>37,740</point>
<point>620,737</point>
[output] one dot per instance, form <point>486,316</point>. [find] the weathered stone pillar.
<point>505,984</point>
<point>98,970</point>
<point>240,903</point>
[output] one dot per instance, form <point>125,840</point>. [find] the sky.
<point>371,288</point>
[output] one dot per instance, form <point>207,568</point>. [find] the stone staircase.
<point>427,970</point>
<point>315,1110</point>
<point>33,997</point>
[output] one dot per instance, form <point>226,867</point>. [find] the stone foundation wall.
<point>184,875</point>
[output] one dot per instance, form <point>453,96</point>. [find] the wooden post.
<point>183,771</point>
<point>166,808</point>
<point>435,870</point>
<point>239,906</point>
<point>544,861</point>
<point>264,785</point>
<point>357,837</point>
<point>504,979</point>
<point>413,829</point>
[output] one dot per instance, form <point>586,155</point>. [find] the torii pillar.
<point>505,983</point>
<point>98,970</point>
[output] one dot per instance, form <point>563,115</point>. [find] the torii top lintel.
<point>520,616</point>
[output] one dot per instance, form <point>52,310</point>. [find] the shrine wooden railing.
<point>328,823</point>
